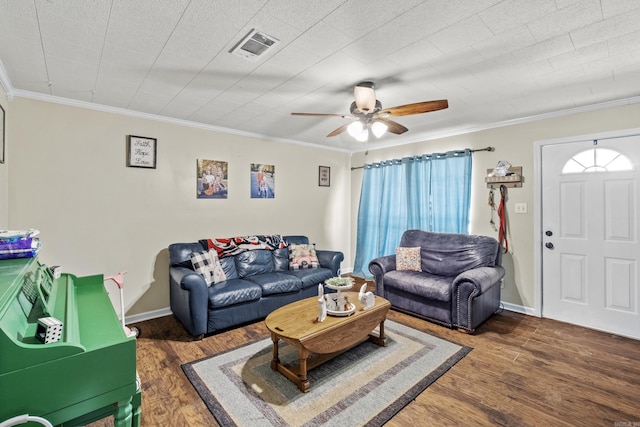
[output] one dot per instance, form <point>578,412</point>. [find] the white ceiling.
<point>495,61</point>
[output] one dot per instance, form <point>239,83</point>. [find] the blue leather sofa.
<point>459,285</point>
<point>258,282</point>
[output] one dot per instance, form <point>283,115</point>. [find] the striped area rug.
<point>365,386</point>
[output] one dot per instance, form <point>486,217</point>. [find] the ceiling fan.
<point>369,114</point>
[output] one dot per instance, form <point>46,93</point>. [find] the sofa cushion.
<point>311,276</point>
<point>258,261</point>
<point>229,267</point>
<point>408,259</point>
<point>419,283</point>
<point>180,254</point>
<point>281,259</point>
<point>233,291</point>
<point>449,254</point>
<point>302,256</point>
<point>276,283</point>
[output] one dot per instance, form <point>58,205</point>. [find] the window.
<point>597,160</point>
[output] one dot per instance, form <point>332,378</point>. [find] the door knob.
<point>549,245</point>
<point>549,233</point>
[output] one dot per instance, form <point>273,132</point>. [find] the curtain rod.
<point>473,151</point>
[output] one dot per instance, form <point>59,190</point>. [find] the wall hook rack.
<point>513,179</point>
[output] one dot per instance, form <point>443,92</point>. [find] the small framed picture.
<point>141,152</point>
<point>324,176</point>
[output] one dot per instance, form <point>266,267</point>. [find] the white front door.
<point>591,252</point>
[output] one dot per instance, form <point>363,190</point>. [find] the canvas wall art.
<point>263,181</point>
<point>212,179</point>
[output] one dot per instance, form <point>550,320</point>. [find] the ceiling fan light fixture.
<point>355,128</point>
<point>368,115</point>
<point>365,96</point>
<point>363,136</point>
<point>378,128</point>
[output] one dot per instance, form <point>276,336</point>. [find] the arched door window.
<point>597,160</point>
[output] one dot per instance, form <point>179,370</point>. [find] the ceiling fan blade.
<point>365,96</point>
<point>344,116</point>
<point>339,130</point>
<point>393,127</point>
<point>417,108</point>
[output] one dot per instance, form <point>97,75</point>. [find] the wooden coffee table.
<point>297,323</point>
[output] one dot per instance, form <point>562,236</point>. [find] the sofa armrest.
<point>330,260</point>
<point>189,297</point>
<point>378,267</point>
<point>480,279</point>
<point>471,284</point>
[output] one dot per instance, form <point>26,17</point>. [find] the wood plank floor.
<point>523,371</point>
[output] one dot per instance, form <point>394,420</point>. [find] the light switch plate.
<point>521,208</point>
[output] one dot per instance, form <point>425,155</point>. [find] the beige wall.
<point>516,145</point>
<point>66,175</point>
<point>97,216</point>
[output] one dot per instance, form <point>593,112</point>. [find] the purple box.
<point>19,247</point>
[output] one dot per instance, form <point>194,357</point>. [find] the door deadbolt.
<point>549,233</point>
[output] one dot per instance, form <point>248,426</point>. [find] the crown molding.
<point>11,92</point>
<point>5,82</point>
<point>159,118</point>
<point>512,122</point>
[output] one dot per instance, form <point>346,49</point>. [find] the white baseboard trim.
<point>141,317</point>
<point>519,309</point>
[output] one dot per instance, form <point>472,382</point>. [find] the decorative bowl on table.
<point>352,309</point>
<point>339,283</point>
<point>338,304</point>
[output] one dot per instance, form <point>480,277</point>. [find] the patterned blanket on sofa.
<point>234,245</point>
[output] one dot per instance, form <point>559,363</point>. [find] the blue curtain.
<point>429,192</point>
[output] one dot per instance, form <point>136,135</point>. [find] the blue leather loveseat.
<point>458,284</point>
<point>257,282</point>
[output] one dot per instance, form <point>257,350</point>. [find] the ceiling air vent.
<point>254,45</point>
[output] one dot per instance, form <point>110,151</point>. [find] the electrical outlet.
<point>521,208</point>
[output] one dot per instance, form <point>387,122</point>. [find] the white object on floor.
<point>23,419</point>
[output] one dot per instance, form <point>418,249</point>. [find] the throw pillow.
<point>408,259</point>
<point>302,256</point>
<point>218,272</point>
<point>201,262</point>
<point>207,264</point>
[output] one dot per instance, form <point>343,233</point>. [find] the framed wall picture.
<point>141,152</point>
<point>263,181</point>
<point>1,134</point>
<point>324,176</point>
<point>212,179</point>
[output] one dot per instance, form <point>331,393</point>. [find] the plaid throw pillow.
<point>207,264</point>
